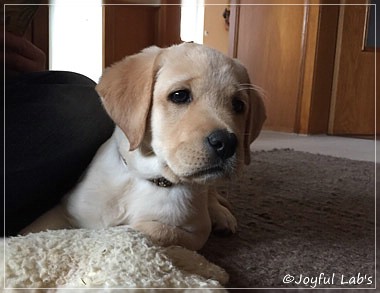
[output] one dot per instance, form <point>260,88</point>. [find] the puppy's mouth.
<point>206,174</point>
<point>216,170</point>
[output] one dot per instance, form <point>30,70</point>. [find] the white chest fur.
<point>113,193</point>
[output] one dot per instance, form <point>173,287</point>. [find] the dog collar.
<point>160,181</point>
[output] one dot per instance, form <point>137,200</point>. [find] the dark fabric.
<point>54,123</point>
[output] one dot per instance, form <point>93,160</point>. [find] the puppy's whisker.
<point>258,89</point>
<point>255,88</point>
<point>251,86</point>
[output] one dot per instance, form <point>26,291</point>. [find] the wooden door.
<point>268,40</point>
<point>129,28</point>
<point>310,63</point>
<point>353,97</point>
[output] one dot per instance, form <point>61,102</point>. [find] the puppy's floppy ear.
<point>256,111</point>
<point>255,120</point>
<point>126,89</point>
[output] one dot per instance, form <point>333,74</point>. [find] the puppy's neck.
<point>143,162</point>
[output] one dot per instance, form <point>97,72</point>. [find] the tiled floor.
<point>352,148</point>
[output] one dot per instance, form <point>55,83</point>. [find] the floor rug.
<point>305,221</point>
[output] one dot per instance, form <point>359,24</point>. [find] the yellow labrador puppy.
<point>185,116</point>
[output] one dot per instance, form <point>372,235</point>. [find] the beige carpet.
<point>309,218</point>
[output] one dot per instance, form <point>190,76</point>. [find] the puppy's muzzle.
<point>222,143</point>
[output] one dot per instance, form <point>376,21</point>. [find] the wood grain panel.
<point>169,23</point>
<point>353,101</point>
<point>130,28</point>
<point>270,43</point>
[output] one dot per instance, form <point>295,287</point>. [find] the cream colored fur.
<point>157,137</point>
<point>117,257</point>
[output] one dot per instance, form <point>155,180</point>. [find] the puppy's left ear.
<point>255,120</point>
<point>126,90</point>
<point>256,112</point>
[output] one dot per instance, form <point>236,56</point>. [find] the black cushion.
<point>54,124</point>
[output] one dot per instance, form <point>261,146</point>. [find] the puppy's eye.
<point>180,97</point>
<point>238,105</point>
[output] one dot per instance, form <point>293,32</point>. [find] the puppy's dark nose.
<point>223,143</point>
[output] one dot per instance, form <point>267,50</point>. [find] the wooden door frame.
<point>320,48</point>
<point>233,33</point>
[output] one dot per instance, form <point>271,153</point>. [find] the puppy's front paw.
<point>223,221</point>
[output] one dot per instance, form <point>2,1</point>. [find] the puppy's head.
<point>194,104</point>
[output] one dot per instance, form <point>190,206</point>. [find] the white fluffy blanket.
<point>117,257</point>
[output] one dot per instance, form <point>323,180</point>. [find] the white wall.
<point>76,36</point>
<point>192,21</point>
